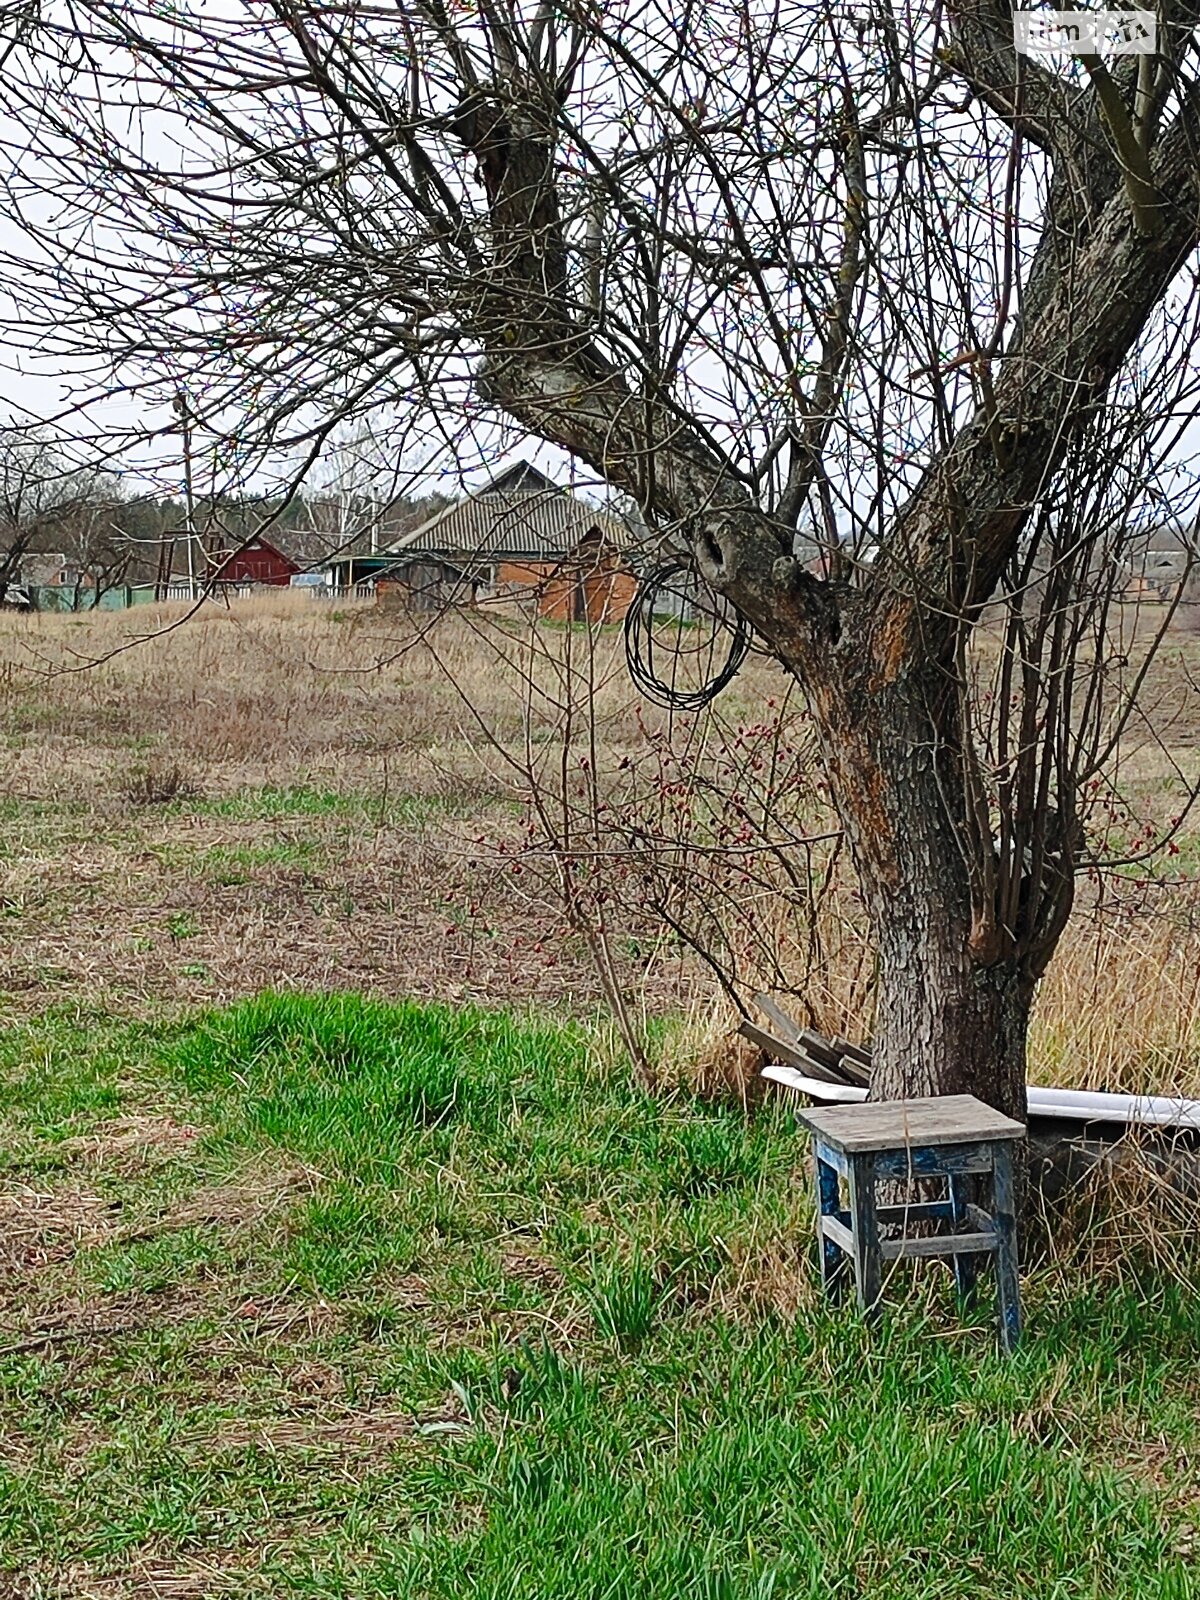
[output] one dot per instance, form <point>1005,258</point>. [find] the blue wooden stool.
<point>953,1136</point>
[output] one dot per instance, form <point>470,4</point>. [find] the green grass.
<point>401,1300</point>
<point>235,864</point>
<point>273,803</point>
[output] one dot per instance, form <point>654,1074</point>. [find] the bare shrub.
<point>160,784</point>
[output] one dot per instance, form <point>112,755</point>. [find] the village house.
<point>520,540</point>
<point>1158,560</point>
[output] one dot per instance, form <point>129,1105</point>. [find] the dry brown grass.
<point>1120,1007</point>
<point>1129,1210</point>
<point>292,795</point>
<point>362,871</point>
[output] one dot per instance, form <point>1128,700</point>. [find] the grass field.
<point>316,1296</point>
<point>344,798</point>
<point>340,1255</point>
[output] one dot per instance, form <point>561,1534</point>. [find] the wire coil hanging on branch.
<point>656,665</point>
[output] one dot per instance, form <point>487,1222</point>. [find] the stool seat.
<point>955,1137</point>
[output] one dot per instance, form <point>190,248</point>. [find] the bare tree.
<point>758,266</point>
<point>47,503</point>
<point>96,545</point>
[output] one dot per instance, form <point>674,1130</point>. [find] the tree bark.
<point>946,1024</point>
<point>951,1016</point>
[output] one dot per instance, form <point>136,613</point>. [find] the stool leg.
<point>964,1266</point>
<point>833,1262</point>
<point>864,1224</point>
<point>1008,1290</point>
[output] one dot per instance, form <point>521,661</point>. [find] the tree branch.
<point>1144,200</point>
<point>1047,110</point>
<point>962,524</point>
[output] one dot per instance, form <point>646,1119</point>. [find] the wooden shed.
<point>258,561</point>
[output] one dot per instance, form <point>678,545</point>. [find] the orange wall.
<point>523,572</point>
<point>609,590</point>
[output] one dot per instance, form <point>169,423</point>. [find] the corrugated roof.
<point>522,475</point>
<point>1174,537</point>
<point>488,526</point>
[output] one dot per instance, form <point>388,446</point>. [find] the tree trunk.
<point>950,1018</point>
<point>945,1024</point>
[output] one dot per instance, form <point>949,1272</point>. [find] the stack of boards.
<point>836,1071</point>
<point>833,1061</point>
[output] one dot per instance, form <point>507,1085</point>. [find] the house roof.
<point>522,476</point>
<point>527,517</point>
<point>1162,553</point>
<point>38,568</point>
<point>259,542</point>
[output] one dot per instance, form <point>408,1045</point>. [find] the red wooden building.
<point>257,562</point>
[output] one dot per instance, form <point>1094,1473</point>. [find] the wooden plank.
<point>834,1263</point>
<point>933,1161</point>
<point>835,1159</point>
<point>1008,1287</point>
<point>965,1266</point>
<point>918,1211</point>
<point>859,1051</point>
<point>818,1046</point>
<point>780,1050</point>
<point>787,1027</point>
<point>897,1124</point>
<point>944,1244</point>
<point>829,1053</point>
<point>868,1273</point>
<point>834,1228</point>
<point>851,1067</point>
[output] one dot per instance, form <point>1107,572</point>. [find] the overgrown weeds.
<point>1129,1210</point>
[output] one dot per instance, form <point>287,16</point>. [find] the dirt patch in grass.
<point>75,1332</point>
<point>38,1229</point>
<point>52,1225</point>
<point>532,1267</point>
<point>197,909</point>
<point>46,1233</point>
<point>132,1141</point>
<point>351,1433</point>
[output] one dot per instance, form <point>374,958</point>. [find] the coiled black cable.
<point>644,654</point>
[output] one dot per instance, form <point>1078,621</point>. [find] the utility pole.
<point>183,412</point>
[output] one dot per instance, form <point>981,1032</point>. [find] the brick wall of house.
<point>598,591</point>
